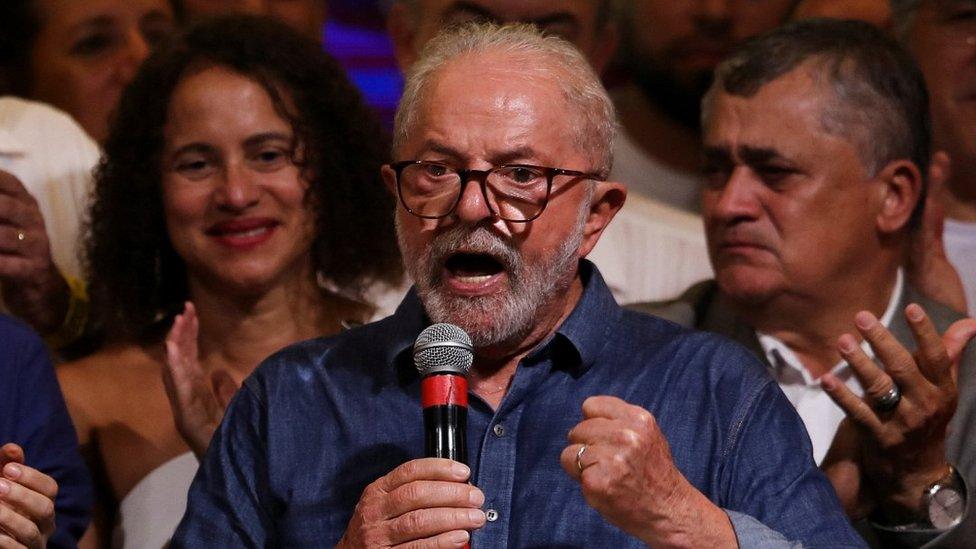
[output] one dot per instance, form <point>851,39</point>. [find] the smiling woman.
<point>240,186</point>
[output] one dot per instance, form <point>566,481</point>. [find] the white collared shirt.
<point>819,413</point>
<point>53,157</point>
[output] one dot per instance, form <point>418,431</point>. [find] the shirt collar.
<point>779,355</point>
<point>580,337</point>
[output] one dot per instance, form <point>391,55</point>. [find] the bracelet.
<point>76,318</point>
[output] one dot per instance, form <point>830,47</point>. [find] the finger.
<point>16,212</point>
<point>874,380</point>
<point>855,408</point>
<point>609,407</point>
<point>7,542</point>
<point>567,458</point>
<point>932,359</point>
<point>959,334</point>
<point>11,452</point>
<point>11,185</point>
<point>11,241</point>
<point>898,362</point>
<point>17,267</point>
<point>456,538</point>
<point>21,529</point>
<point>424,469</point>
<point>598,429</point>
<point>424,494</point>
<point>424,523</point>
<point>31,479</point>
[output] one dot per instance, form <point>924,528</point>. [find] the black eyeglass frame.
<point>466,176</point>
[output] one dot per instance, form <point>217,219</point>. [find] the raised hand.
<point>928,266</point>
<point>197,397</point>
<point>33,288</point>
<point>422,503</point>
<point>902,439</point>
<point>26,501</point>
<point>624,466</point>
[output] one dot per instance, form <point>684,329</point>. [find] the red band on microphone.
<point>444,390</point>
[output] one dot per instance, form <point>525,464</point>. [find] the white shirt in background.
<point>53,157</point>
<point>819,413</point>
<point>653,180</point>
<point>651,251</point>
<point>960,244</point>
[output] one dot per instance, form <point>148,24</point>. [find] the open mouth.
<point>473,268</point>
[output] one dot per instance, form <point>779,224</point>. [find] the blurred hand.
<point>629,477</point>
<point>422,503</point>
<point>33,288</point>
<point>198,398</point>
<point>26,501</point>
<point>928,266</point>
<point>901,451</point>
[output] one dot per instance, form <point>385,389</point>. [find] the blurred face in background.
<point>305,16</point>
<point>876,12</point>
<point>671,47</point>
<point>581,22</point>
<point>87,52</point>
<point>943,41</point>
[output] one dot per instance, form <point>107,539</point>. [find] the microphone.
<point>443,355</point>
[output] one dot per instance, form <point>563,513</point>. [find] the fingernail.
<point>459,537</point>
<point>847,344</point>
<point>476,515</point>
<point>460,470</point>
<point>827,383</point>
<point>864,320</point>
<point>914,312</point>
<point>476,497</point>
<point>4,487</point>
<point>12,470</point>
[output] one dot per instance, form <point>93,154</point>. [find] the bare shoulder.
<point>97,386</point>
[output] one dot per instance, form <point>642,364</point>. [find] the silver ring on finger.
<point>888,401</point>
<point>21,236</point>
<point>579,456</point>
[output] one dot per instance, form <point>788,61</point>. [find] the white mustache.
<point>477,241</point>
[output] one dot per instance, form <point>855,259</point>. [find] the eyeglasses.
<point>514,192</point>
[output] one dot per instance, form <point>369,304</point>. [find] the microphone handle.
<point>445,430</point>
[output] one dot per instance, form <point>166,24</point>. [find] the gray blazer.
<point>702,307</point>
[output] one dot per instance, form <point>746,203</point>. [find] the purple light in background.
<point>367,56</point>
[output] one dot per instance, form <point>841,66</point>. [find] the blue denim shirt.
<point>320,420</point>
<point>33,415</point>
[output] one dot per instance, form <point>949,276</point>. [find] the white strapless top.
<point>149,514</point>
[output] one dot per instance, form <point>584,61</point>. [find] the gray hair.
<point>544,58</point>
<point>879,99</point>
<point>903,16</point>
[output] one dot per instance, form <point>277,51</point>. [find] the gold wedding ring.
<point>579,455</point>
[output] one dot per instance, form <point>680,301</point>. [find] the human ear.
<point>389,178</point>
<point>608,198</point>
<point>900,188</point>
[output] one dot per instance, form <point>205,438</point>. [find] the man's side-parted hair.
<point>540,58</point>
<point>138,281</point>
<point>879,99</point>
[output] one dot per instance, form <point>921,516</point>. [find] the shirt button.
<point>499,430</point>
<point>491,515</point>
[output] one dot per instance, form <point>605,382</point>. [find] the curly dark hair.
<point>137,280</point>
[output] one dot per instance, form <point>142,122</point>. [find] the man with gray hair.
<point>587,425</point>
<point>816,136</point>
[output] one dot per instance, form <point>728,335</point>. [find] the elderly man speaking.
<point>587,426</point>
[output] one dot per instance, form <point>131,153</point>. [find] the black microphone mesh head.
<point>443,348</point>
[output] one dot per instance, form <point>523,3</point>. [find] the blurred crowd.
<point>188,186</point>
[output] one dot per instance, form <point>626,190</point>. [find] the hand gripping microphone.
<point>443,355</point>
